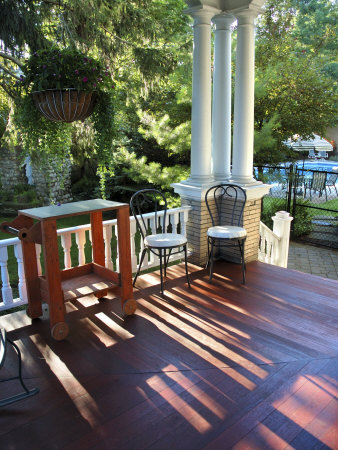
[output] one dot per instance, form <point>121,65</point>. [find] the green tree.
<point>295,94</point>
<point>141,41</point>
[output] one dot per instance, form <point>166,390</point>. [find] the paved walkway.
<point>316,260</point>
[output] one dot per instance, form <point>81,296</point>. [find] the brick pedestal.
<point>199,221</point>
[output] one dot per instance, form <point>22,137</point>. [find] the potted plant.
<point>64,83</point>
<point>57,87</point>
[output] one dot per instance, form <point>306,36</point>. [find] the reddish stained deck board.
<point>215,366</point>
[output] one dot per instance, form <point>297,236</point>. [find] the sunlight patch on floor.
<point>82,400</point>
<point>181,406</point>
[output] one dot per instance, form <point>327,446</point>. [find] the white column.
<point>242,157</point>
<point>221,105</point>
<point>201,97</point>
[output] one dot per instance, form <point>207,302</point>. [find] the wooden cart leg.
<point>59,329</point>
<point>34,309</point>
<point>128,304</point>
<point>97,237</point>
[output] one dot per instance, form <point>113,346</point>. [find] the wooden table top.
<point>70,209</point>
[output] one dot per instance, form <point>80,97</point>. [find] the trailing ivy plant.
<point>47,140</point>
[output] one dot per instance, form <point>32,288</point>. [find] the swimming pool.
<point>326,166</point>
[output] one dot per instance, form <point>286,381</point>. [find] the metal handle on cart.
<point>22,234</point>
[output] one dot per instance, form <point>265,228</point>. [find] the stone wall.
<point>53,184</point>
<point>12,172</point>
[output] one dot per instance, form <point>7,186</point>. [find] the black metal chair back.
<point>158,241</point>
<point>226,203</point>
<point>145,201</point>
<point>219,209</point>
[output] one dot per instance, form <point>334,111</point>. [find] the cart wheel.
<point>59,331</point>
<point>129,307</point>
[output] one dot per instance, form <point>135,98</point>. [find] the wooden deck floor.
<point>216,366</point>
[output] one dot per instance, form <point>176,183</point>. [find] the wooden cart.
<point>38,226</point>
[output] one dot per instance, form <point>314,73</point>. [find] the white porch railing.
<point>73,241</point>
<point>273,249</point>
<point>274,245</point>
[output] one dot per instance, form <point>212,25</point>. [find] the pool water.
<point>327,166</point>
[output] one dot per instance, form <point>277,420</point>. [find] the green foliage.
<point>270,207</point>
<point>4,113</point>
<point>303,223</point>
<point>294,94</point>
<point>301,226</point>
<point>20,194</point>
<point>40,137</point>
<point>175,139</point>
<point>64,69</point>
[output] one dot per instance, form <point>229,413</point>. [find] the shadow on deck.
<point>219,365</point>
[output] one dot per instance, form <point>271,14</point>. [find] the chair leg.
<point>140,265</point>
<point>165,262</point>
<point>27,392</point>
<point>211,259</point>
<point>161,270</point>
<point>167,259</point>
<point>186,264</point>
<point>241,249</point>
<point>207,264</point>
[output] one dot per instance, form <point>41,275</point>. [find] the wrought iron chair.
<point>160,243</point>
<point>225,203</point>
<point>4,341</point>
<point>317,184</point>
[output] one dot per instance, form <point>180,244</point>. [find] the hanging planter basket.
<point>65,105</point>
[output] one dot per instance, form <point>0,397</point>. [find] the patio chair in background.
<point>331,181</point>
<point>317,184</point>
<point>225,203</point>
<point>4,341</point>
<point>322,154</point>
<point>161,244</point>
<point>312,154</point>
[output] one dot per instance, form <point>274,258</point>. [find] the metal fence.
<point>311,197</point>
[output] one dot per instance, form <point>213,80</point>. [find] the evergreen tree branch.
<point>8,90</point>
<point>12,58</point>
<point>9,72</point>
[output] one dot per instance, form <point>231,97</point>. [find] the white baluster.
<point>66,242</point>
<point>153,260</point>
<point>21,272</point>
<point>107,236</point>
<point>184,220</point>
<point>6,290</point>
<point>38,259</point>
<point>132,245</point>
<point>91,241</point>
<point>80,237</point>
<point>116,234</point>
<point>174,220</point>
